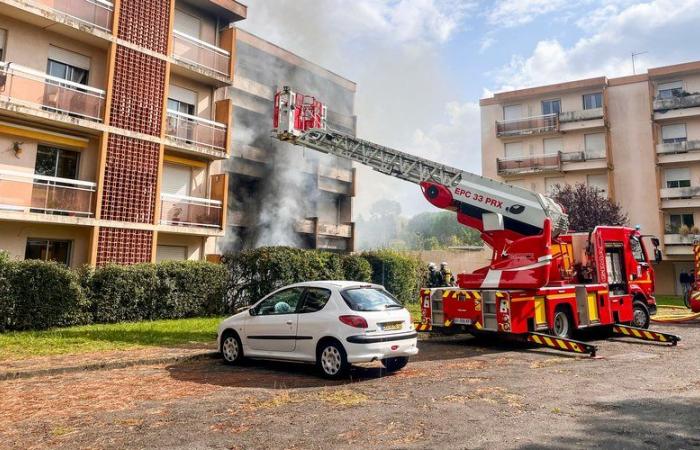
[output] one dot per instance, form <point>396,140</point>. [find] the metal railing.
<point>678,147</point>
<point>195,51</point>
<point>30,87</point>
<point>181,210</point>
<point>27,192</point>
<point>530,125</point>
<point>98,13</point>
<point>195,130</point>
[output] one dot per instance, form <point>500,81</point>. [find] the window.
<point>551,107</point>
<point>554,145</point>
<point>177,179</point>
<point>180,106</point>
<point>315,299</point>
<point>593,101</point>
<point>171,253</point>
<point>369,299</point>
<point>677,178</point>
<point>57,162</point>
<point>514,149</point>
<point>551,184</point>
<point>669,90</point>
<point>595,145</point>
<point>48,250</point>
<point>68,65</point>
<point>3,43</point>
<point>512,112</point>
<point>283,302</point>
<point>676,221</point>
<point>637,250</point>
<point>598,181</point>
<point>671,134</point>
<point>187,24</point>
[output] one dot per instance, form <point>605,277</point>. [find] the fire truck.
<point>543,283</point>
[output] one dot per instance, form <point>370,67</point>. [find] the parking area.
<point>459,392</point>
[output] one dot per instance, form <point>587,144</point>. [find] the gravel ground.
<point>458,393</point>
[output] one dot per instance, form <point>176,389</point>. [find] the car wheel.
<point>640,315</point>
<point>332,360</point>
<point>562,324</point>
<point>394,364</point>
<point>231,349</point>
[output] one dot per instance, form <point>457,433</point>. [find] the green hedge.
<point>255,273</point>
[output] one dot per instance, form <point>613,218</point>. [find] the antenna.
<point>634,71</point>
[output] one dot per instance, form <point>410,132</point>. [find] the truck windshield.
<point>369,299</point>
<point>637,250</point>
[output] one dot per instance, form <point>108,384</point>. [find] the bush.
<point>356,268</point>
<point>190,289</point>
<point>37,295</point>
<point>400,273</point>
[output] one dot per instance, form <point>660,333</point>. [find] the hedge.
<point>255,273</point>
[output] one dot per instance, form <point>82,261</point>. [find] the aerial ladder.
<point>542,282</point>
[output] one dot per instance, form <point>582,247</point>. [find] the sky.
<point>422,65</point>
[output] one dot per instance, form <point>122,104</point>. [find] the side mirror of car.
<point>658,256</point>
<point>252,312</point>
<point>655,241</point>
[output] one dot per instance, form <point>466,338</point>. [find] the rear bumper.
<point>361,349</point>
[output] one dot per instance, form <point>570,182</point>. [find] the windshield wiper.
<point>387,306</point>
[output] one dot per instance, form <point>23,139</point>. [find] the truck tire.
<point>640,315</point>
<point>562,325</point>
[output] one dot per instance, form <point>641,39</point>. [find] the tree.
<point>588,207</point>
<point>434,230</point>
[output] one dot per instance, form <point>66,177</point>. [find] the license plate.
<point>392,326</point>
<point>463,321</point>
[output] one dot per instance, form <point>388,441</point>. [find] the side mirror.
<point>655,241</point>
<point>251,311</point>
<point>658,256</point>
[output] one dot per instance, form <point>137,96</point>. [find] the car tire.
<point>395,364</point>
<point>331,360</point>
<point>640,315</point>
<point>562,325</point>
<point>231,348</point>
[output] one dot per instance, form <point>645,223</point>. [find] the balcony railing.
<point>27,192</point>
<point>98,13</point>
<point>191,50</point>
<point>678,147</point>
<point>194,130</point>
<point>525,164</point>
<point>30,87</point>
<point>585,114</point>
<point>682,100</point>
<point>340,230</point>
<point>530,125</point>
<point>679,193</point>
<point>181,210</point>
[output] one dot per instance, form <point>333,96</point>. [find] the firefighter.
<point>433,276</point>
<point>446,275</point>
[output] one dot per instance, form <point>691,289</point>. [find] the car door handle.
<point>289,322</point>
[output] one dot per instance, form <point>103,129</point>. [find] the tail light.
<point>354,321</point>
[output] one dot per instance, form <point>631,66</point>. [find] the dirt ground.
<point>458,393</point>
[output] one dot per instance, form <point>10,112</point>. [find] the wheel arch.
<point>325,339</point>
<point>226,333</point>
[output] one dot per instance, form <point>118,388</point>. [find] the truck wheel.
<point>562,324</point>
<point>640,315</point>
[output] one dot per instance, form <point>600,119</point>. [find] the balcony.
<point>529,164</point>
<point>580,120</point>
<point>32,193</point>
<point>678,245</point>
<point>192,132</point>
<point>340,230</point>
<point>679,101</point>
<point>548,123</point>
<point>201,54</point>
<point>25,87</point>
<point>682,197</point>
<point>97,13</point>
<point>180,210</point>
<point>678,152</point>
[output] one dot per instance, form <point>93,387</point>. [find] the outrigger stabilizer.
<point>561,344</point>
<point>645,335</point>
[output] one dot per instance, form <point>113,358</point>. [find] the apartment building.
<point>307,194</point>
<point>113,115</point>
<point>637,138</point>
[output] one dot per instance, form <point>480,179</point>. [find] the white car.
<point>330,323</point>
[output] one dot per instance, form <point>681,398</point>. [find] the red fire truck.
<point>542,283</point>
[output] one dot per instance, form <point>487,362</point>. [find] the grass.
<point>669,300</point>
<point>118,336</point>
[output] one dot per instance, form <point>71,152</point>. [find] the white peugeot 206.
<point>330,323</point>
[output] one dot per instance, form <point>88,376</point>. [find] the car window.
<point>283,302</point>
<point>315,299</point>
<point>369,299</point>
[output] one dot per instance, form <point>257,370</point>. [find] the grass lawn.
<point>118,336</point>
<point>669,300</point>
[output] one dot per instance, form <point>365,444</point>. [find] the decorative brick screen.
<point>145,23</point>
<point>130,179</point>
<point>138,93</point>
<point>122,246</point>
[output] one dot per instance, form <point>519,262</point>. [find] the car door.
<point>272,325</point>
<point>315,320</point>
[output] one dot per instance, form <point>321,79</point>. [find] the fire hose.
<point>681,317</point>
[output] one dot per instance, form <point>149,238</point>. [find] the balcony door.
<point>69,66</point>
<point>55,196</point>
<point>177,183</point>
<point>181,101</point>
<point>187,24</point>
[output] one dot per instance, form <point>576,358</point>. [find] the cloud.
<point>511,13</point>
<point>486,43</point>
<point>663,28</point>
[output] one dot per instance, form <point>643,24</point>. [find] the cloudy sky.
<point>422,65</point>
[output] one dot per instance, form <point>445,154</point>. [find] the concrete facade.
<point>635,137</point>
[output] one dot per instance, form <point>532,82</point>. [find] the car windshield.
<point>369,299</point>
